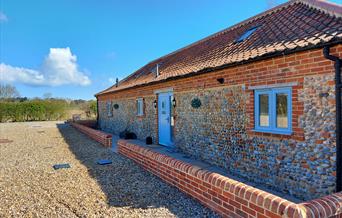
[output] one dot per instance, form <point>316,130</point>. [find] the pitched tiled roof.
<point>291,26</point>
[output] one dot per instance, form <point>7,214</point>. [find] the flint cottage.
<point>260,99</point>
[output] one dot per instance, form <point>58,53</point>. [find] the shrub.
<point>33,110</point>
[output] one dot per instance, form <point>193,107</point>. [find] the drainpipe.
<point>338,86</point>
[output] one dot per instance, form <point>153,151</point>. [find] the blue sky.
<point>76,48</point>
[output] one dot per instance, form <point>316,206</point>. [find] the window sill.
<point>279,132</point>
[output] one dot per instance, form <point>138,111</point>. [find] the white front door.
<point>164,118</point>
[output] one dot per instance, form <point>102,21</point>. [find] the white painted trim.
<point>140,103</point>
<point>273,86</point>
<point>163,90</point>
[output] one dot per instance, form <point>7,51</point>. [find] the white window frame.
<point>109,108</point>
<point>272,104</point>
<point>140,107</point>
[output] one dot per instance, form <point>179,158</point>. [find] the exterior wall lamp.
<point>174,102</point>
<point>155,103</point>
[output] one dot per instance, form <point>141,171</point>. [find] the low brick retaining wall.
<point>97,135</point>
<point>88,123</point>
<point>226,196</point>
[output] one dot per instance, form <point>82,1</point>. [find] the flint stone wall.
<point>125,118</point>
<point>217,133</point>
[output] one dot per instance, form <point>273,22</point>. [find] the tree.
<point>8,91</point>
<point>93,106</point>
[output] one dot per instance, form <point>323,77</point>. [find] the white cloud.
<point>59,68</point>
<point>3,17</point>
<point>23,75</point>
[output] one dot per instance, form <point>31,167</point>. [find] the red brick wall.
<point>283,69</point>
<point>88,123</point>
<point>99,136</point>
<point>226,196</point>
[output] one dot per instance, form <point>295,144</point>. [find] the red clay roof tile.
<point>293,25</point>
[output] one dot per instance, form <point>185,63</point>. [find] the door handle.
<point>168,119</point>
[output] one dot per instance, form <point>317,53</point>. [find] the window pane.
<point>109,108</point>
<point>282,116</point>
<point>263,110</point>
<point>139,106</point>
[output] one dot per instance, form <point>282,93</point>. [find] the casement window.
<point>140,106</point>
<point>109,108</point>
<point>273,110</point>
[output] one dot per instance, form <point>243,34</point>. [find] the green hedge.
<point>33,110</point>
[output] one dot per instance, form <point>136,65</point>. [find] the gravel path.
<point>30,187</point>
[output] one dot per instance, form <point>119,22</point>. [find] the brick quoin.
<point>227,197</point>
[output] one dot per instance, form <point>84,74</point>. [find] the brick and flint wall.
<point>125,117</point>
<point>221,130</point>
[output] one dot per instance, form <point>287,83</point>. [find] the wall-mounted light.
<point>155,103</point>
<point>174,102</point>
<point>220,80</point>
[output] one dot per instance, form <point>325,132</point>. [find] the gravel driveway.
<point>30,187</point>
